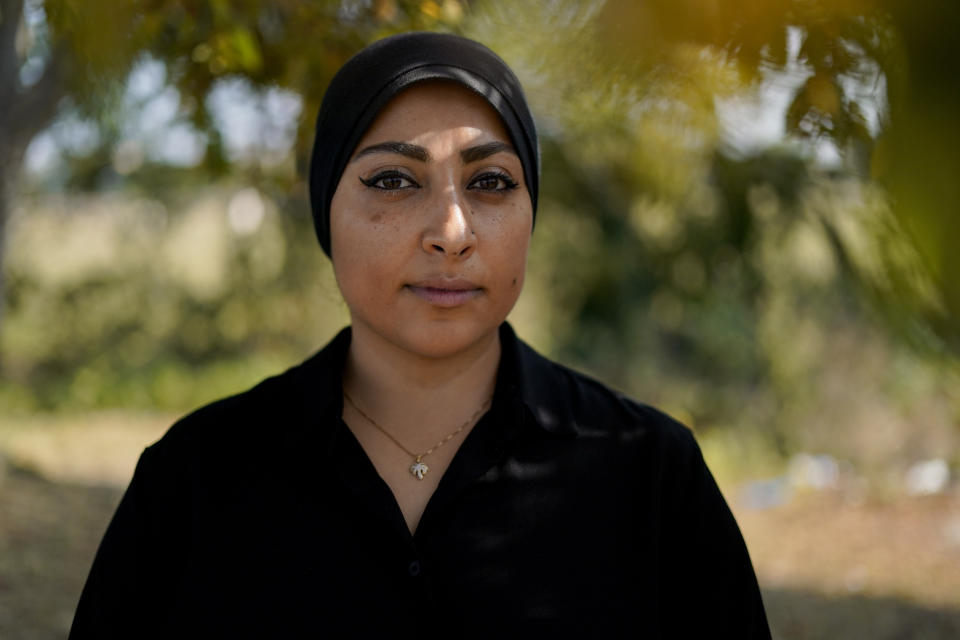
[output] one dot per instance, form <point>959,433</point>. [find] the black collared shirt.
<point>569,510</point>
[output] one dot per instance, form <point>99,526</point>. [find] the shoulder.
<point>241,409</point>
<point>569,401</point>
<point>252,422</point>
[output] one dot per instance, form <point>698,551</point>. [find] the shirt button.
<point>414,568</point>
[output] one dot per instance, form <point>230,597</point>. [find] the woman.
<point>426,472</point>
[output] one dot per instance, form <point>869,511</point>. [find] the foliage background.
<point>747,215</point>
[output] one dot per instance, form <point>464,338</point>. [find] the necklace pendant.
<point>419,469</point>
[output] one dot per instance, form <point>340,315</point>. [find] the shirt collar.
<point>537,383</point>
<point>540,386</point>
<point>319,383</point>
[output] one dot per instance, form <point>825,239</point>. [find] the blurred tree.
<point>853,56</point>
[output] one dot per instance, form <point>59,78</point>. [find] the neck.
<point>414,395</point>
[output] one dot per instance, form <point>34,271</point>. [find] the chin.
<point>444,339</point>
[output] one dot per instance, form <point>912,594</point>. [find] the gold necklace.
<point>419,468</point>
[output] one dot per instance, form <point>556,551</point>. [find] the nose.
<point>449,232</point>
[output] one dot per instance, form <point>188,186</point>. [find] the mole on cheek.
<point>514,282</point>
<point>376,218</point>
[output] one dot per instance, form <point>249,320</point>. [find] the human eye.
<point>493,182</point>
<point>391,180</point>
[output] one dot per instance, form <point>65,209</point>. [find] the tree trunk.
<point>11,12</point>
<point>24,112</point>
<point>4,210</point>
<point>10,160</point>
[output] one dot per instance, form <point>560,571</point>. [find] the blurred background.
<point>748,218</point>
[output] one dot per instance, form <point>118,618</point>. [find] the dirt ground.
<point>877,570</point>
<point>829,567</point>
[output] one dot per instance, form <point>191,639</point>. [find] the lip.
<point>445,292</point>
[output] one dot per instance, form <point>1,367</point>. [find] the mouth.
<point>445,292</point>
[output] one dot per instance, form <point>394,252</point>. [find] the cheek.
<point>359,260</point>
<point>369,251</point>
<point>358,230</point>
<point>355,221</point>
<point>514,242</point>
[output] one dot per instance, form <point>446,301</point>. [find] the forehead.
<point>435,105</point>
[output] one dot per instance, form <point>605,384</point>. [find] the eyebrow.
<point>401,148</point>
<point>416,152</point>
<point>479,152</point>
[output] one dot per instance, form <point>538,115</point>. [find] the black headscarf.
<point>375,75</point>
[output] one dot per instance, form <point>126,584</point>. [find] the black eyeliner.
<point>374,179</point>
<point>509,184</point>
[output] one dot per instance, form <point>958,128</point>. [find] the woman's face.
<point>430,223</point>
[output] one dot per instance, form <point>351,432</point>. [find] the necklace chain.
<point>418,468</point>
